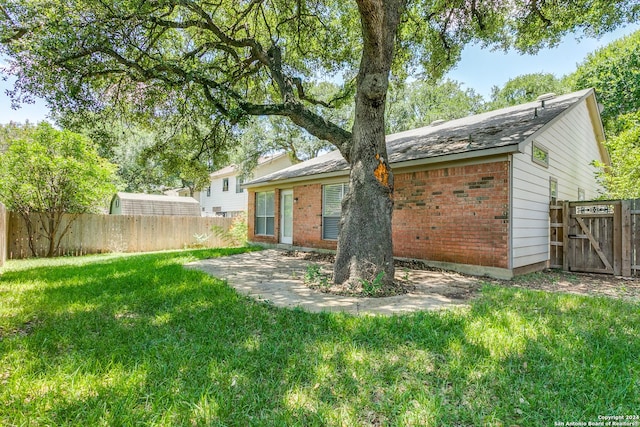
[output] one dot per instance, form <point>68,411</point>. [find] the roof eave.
<point>304,178</point>
<point>511,148</point>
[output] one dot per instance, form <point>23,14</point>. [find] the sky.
<point>479,69</point>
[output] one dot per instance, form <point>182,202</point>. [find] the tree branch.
<point>297,81</point>
<point>538,12</point>
<point>221,94</point>
<point>18,30</point>
<point>316,125</point>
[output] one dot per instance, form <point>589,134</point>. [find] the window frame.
<point>539,148</point>
<point>553,190</point>
<point>239,188</point>
<point>344,188</point>
<point>262,216</point>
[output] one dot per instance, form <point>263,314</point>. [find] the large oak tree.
<point>234,58</point>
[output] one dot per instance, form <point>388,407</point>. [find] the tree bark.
<point>365,247</point>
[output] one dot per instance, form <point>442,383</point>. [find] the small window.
<point>225,184</point>
<point>540,155</point>
<point>331,209</point>
<point>209,191</point>
<point>239,188</point>
<point>265,213</point>
<point>581,194</point>
<point>553,190</point>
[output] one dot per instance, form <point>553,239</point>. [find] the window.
<point>225,184</point>
<point>581,194</point>
<point>540,155</point>
<point>265,208</point>
<point>209,191</point>
<point>331,208</point>
<point>239,188</point>
<point>553,190</point>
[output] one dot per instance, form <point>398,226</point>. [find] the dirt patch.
<point>416,277</point>
<point>23,330</point>
<point>579,283</point>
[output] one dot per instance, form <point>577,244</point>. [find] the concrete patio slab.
<point>270,275</point>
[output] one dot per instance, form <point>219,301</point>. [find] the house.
<point>471,194</point>
<point>181,192</point>
<point>225,195</point>
<point>153,204</point>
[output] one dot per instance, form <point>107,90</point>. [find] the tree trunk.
<point>51,234</point>
<point>365,248</point>
<point>30,232</point>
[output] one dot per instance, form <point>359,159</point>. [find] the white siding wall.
<point>572,147</point>
<point>271,166</point>
<point>230,201</point>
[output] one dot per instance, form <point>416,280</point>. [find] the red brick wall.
<point>456,214</point>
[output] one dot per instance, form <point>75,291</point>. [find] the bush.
<point>236,235</point>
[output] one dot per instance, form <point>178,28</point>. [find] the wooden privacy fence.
<point>4,231</point>
<point>90,234</point>
<point>596,237</point>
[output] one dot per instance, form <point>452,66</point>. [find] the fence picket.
<point>4,234</point>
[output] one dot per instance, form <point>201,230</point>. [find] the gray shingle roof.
<point>155,204</point>
<point>478,135</point>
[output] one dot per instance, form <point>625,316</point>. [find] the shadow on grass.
<point>141,340</point>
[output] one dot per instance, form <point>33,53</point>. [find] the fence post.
<point>626,236</point>
<point>566,214</point>
<point>4,234</point>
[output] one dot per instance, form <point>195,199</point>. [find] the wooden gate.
<point>596,237</point>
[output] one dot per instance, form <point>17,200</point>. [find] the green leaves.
<point>614,71</point>
<point>419,103</point>
<point>622,177</point>
<point>221,56</point>
<point>47,173</point>
<point>526,88</point>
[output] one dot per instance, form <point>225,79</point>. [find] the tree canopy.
<point>420,102</point>
<point>257,58</point>
<point>154,154</point>
<point>614,71</point>
<point>621,178</point>
<point>526,88</point>
<point>47,173</point>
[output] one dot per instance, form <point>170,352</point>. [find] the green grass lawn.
<point>121,340</point>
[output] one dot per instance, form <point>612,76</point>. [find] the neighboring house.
<point>153,204</point>
<point>181,192</point>
<point>470,194</point>
<point>225,196</point>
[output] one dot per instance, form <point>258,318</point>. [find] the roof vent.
<point>437,122</point>
<point>545,97</point>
